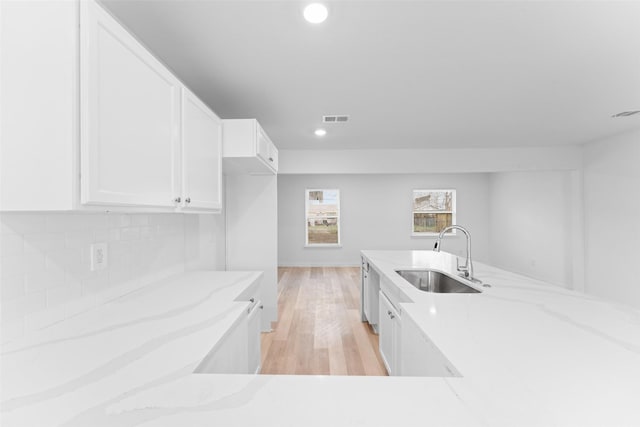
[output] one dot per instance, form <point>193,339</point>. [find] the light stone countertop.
<point>530,355</point>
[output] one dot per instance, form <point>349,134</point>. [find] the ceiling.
<point>411,74</point>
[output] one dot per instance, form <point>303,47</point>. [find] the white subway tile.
<point>139,220</point>
<point>96,222</point>
<point>63,294</point>
<point>119,274</point>
<point>67,259</point>
<point>114,234</point>
<point>46,271</point>
<point>45,241</point>
<point>119,220</point>
<point>146,233</point>
<point>18,308</point>
<point>11,244</point>
<point>63,222</point>
<point>130,233</point>
<point>10,310</point>
<point>12,330</point>
<point>101,236</point>
<point>120,254</point>
<point>78,239</point>
<point>78,273</point>
<point>13,265</point>
<point>160,219</point>
<point>34,258</point>
<point>95,284</point>
<point>74,280</point>
<point>12,286</point>
<point>21,223</point>
<point>37,281</point>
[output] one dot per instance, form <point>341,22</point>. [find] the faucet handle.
<point>464,268</point>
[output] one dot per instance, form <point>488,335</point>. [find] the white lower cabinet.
<point>239,351</point>
<point>420,356</point>
<point>370,289</point>
<point>390,329</point>
<point>253,333</point>
<point>364,274</point>
<point>230,354</point>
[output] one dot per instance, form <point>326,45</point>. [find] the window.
<point>433,210</point>
<point>322,217</point>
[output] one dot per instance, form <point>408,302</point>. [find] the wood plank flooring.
<point>319,331</point>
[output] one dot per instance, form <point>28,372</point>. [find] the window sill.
<point>324,245</point>
<point>432,235</point>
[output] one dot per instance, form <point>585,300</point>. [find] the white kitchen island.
<point>528,354</point>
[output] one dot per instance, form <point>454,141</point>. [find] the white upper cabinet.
<point>247,148</point>
<point>38,106</point>
<point>130,111</point>
<point>201,155</point>
<point>104,125</point>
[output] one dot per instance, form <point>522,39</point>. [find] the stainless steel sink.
<point>435,281</point>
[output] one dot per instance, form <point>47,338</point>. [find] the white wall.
<point>45,264</point>
<point>448,161</point>
<point>376,214</point>
<point>205,242</point>
<point>612,218</point>
<point>532,224</point>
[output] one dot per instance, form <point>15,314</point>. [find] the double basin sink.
<point>435,281</point>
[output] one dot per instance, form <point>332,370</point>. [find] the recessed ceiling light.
<point>320,132</point>
<point>316,13</point>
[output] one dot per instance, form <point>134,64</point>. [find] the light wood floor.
<point>319,331</point>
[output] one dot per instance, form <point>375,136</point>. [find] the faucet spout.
<point>467,268</point>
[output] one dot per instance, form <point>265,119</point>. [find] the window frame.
<point>453,212</point>
<point>306,220</point>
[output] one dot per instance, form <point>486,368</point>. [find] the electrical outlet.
<point>99,256</point>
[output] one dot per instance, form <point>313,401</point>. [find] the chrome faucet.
<point>466,270</point>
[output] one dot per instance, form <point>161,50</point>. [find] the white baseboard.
<point>319,264</point>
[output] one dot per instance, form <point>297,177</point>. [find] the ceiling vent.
<point>335,119</point>
<point>626,113</point>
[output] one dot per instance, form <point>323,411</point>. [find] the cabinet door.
<point>262,144</point>
<point>273,156</point>
<point>366,299</point>
<point>373,282</point>
<point>420,357</point>
<point>387,332</point>
<point>230,356</point>
<point>201,155</point>
<point>254,353</point>
<point>129,117</point>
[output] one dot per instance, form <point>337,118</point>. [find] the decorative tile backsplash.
<point>45,260</point>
